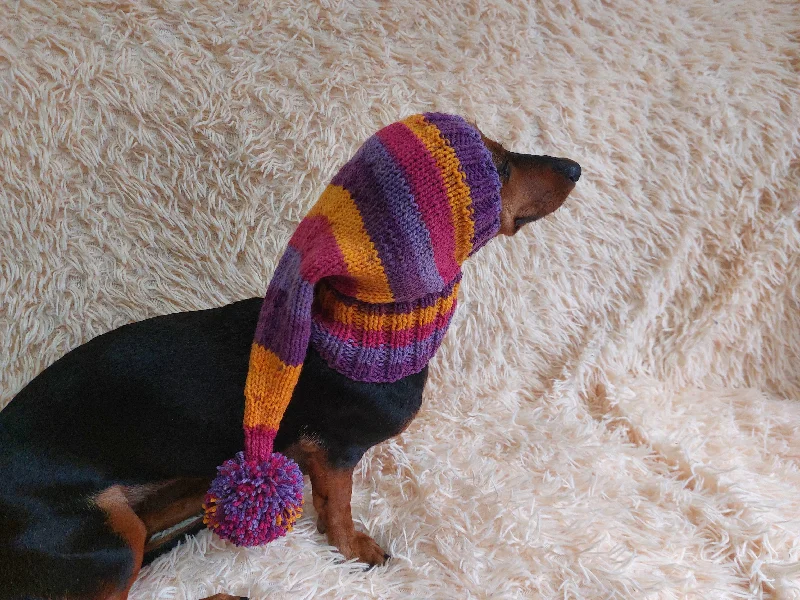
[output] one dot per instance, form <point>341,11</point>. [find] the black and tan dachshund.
<point>116,442</point>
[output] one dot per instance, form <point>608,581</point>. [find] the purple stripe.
<point>408,223</point>
<point>425,179</point>
<point>284,323</point>
<point>392,220</point>
<point>482,177</point>
<point>375,365</point>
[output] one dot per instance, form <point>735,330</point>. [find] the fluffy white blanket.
<point>616,409</point>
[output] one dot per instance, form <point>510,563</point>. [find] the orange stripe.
<point>268,389</point>
<point>334,309</point>
<point>360,255</point>
<point>455,182</point>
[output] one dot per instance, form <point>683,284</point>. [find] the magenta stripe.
<point>258,442</point>
<point>423,175</point>
<point>321,255</point>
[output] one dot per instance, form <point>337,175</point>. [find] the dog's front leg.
<point>331,489</point>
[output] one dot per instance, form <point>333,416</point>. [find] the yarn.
<point>252,503</point>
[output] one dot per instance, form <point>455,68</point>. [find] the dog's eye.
<point>504,170</point>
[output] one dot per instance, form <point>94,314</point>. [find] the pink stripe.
<point>396,339</point>
<point>429,192</point>
<point>258,442</point>
<point>315,236</point>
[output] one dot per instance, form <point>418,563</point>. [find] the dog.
<point>116,442</point>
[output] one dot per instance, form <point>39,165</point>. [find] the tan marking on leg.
<point>123,521</point>
<point>172,514</point>
<point>331,491</point>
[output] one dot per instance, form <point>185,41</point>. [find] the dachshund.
<point>105,456</point>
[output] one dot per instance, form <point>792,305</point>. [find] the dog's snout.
<point>539,184</point>
<point>568,168</point>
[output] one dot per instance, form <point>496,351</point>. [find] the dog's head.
<point>533,186</point>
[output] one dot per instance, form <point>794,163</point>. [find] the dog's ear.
<point>498,154</point>
<point>532,186</point>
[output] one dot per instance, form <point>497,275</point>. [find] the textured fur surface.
<point>615,411</point>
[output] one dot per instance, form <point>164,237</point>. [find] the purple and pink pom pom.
<point>251,503</point>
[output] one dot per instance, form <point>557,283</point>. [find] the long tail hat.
<point>370,278</point>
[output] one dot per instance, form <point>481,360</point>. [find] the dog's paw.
<point>368,551</point>
<point>363,548</point>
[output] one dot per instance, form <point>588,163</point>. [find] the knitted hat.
<point>370,278</point>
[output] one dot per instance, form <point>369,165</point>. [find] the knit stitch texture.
<point>370,276</point>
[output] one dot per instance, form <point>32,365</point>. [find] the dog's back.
<point>169,378</point>
<point>114,411</point>
<point>150,402</point>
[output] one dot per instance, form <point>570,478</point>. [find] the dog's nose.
<point>568,168</point>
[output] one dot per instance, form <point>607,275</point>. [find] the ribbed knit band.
<point>380,342</point>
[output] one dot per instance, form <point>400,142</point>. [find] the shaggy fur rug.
<point>615,412</point>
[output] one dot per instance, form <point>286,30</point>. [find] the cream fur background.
<point>615,412</point>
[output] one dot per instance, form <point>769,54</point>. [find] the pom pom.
<point>251,503</point>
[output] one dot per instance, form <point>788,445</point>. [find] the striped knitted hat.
<point>370,278</point>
